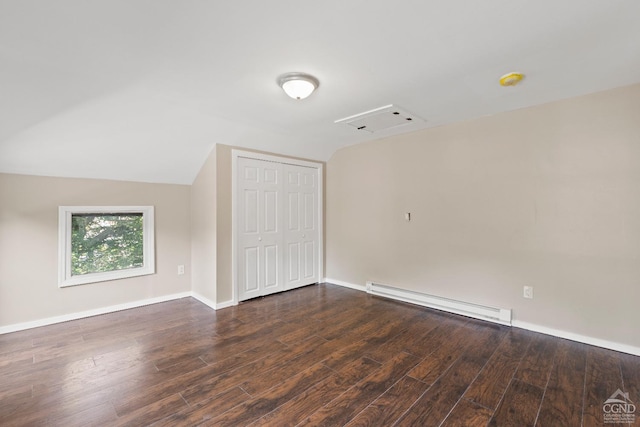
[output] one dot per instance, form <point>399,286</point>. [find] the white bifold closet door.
<point>301,226</point>
<point>278,234</point>
<point>260,235</point>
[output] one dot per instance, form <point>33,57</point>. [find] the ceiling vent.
<point>379,119</point>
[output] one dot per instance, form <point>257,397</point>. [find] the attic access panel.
<point>380,119</point>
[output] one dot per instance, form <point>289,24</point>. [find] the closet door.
<point>301,233</point>
<point>260,233</point>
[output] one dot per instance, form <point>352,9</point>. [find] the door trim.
<point>235,154</point>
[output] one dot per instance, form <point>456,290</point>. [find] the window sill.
<point>103,277</point>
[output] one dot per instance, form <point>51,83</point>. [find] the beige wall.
<point>547,197</point>
<point>29,245</point>
<point>203,230</point>
<point>225,253</point>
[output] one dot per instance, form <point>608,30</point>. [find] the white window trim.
<point>64,245</point>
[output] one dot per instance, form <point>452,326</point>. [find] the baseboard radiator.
<point>490,314</point>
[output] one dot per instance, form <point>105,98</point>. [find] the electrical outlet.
<point>180,270</point>
<point>528,292</point>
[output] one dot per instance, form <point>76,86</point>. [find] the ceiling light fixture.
<point>511,79</point>
<point>298,85</point>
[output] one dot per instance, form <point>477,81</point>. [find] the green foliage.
<point>106,242</point>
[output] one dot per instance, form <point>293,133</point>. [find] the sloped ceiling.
<point>142,89</point>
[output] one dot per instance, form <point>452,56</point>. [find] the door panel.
<point>294,262</point>
<point>271,212</point>
<point>293,177</point>
<point>309,257</point>
<point>293,208</point>
<point>259,239</point>
<point>250,211</point>
<point>302,226</point>
<point>271,267</point>
<point>251,269</point>
<point>250,174</point>
<point>271,172</point>
<point>309,209</point>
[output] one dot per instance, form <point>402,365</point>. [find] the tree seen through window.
<point>106,242</point>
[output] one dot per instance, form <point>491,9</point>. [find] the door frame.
<point>235,154</point>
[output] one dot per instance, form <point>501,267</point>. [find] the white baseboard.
<point>206,301</point>
<point>95,312</point>
<point>624,348</point>
<point>225,304</point>
<point>212,304</point>
<point>111,309</point>
<point>345,284</point>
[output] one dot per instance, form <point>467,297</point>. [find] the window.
<point>99,243</point>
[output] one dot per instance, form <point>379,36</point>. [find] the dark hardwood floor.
<point>320,355</point>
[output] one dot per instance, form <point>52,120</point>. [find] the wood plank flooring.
<point>319,355</point>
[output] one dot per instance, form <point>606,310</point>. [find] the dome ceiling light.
<point>298,85</point>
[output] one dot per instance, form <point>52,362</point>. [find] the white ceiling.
<point>142,89</point>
